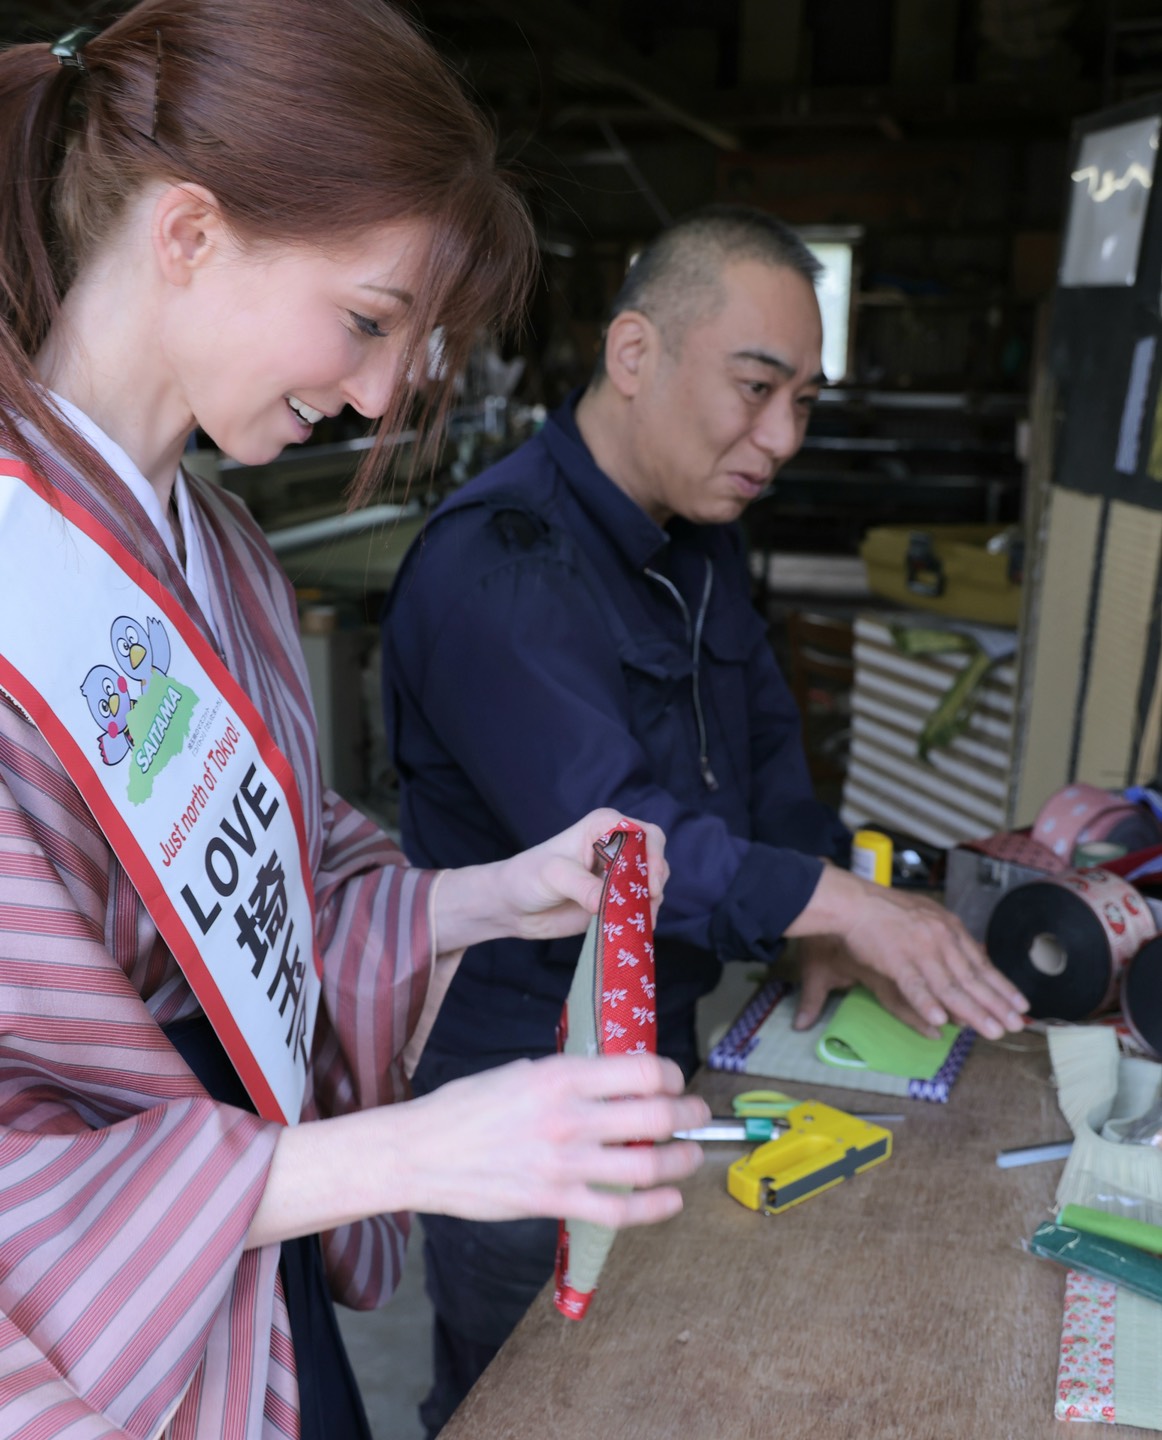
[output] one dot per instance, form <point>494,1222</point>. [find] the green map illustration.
<point>159,724</point>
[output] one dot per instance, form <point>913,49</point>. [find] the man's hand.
<point>826,964</point>
<point>932,963</point>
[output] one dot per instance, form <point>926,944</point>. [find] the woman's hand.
<point>935,966</point>
<point>534,1138</point>
<point>542,893</point>
<point>544,1137</point>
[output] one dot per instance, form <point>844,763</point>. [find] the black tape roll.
<point>1142,995</point>
<point>1053,948</point>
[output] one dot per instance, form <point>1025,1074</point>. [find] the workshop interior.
<point>960,572</point>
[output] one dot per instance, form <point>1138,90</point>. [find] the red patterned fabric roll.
<point>610,1011</point>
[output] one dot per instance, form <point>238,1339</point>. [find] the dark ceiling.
<point>619,113</point>
<point>742,73</point>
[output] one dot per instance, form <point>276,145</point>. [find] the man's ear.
<point>187,229</point>
<point>630,346</point>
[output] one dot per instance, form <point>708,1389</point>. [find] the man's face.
<point>718,415</point>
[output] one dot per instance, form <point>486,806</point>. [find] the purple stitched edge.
<point>941,1083</point>
<point>731,1051</point>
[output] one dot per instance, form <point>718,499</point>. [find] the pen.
<point>1034,1154</point>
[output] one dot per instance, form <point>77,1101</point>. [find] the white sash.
<point>178,769</point>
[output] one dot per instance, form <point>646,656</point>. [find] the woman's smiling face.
<point>269,339</point>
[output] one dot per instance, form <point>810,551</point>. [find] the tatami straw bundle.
<point>1097,1087</point>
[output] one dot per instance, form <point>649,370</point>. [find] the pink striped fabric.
<point>127,1304</point>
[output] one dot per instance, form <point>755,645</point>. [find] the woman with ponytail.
<point>241,215</point>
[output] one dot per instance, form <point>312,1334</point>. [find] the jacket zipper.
<point>694,636</point>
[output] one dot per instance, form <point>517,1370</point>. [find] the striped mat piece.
<point>763,1041</point>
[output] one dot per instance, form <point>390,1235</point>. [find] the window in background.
<point>836,249</point>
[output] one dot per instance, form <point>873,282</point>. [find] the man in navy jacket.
<point>573,629</point>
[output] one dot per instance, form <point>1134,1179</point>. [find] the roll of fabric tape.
<point>871,856</point>
<point>1065,941</point>
<point>1142,997</point>
<point>1081,814</point>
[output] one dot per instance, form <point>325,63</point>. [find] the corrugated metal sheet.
<point>960,791</point>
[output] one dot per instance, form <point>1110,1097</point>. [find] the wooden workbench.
<point>898,1304</point>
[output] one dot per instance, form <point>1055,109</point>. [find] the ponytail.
<point>36,92</point>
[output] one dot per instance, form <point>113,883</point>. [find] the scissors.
<point>758,1114</point>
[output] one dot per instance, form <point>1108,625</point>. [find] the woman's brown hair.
<point>309,123</point>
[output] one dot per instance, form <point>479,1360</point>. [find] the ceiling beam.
<point>605,60</point>
<point>795,105</point>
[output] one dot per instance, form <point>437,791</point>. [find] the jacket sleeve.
<point>519,678</point>
<point>371,908</point>
<point>375,933</point>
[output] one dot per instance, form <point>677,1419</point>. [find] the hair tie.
<point>68,49</point>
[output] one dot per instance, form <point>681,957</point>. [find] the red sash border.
<point>114,825</point>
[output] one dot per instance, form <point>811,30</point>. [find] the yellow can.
<point>871,856</point>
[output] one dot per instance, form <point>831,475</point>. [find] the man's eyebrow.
<point>765,358</point>
<point>405,296</point>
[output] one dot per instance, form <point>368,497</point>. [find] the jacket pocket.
<point>658,687</point>
<point>729,642</point>
<point>732,634</point>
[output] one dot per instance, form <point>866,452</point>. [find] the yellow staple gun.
<point>820,1147</point>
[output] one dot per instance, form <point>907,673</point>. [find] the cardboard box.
<point>974,882</point>
<point>967,572</point>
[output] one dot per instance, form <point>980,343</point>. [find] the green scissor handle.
<point>770,1104</point>
<point>762,1127</point>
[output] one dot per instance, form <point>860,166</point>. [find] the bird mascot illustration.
<point>140,650</point>
<point>109,704</point>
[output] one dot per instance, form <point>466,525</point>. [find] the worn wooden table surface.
<point>898,1304</point>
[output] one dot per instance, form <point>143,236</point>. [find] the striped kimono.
<point>127,1303</point>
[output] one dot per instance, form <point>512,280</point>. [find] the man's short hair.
<point>676,278</point>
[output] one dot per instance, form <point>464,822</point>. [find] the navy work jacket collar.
<point>630,529</point>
